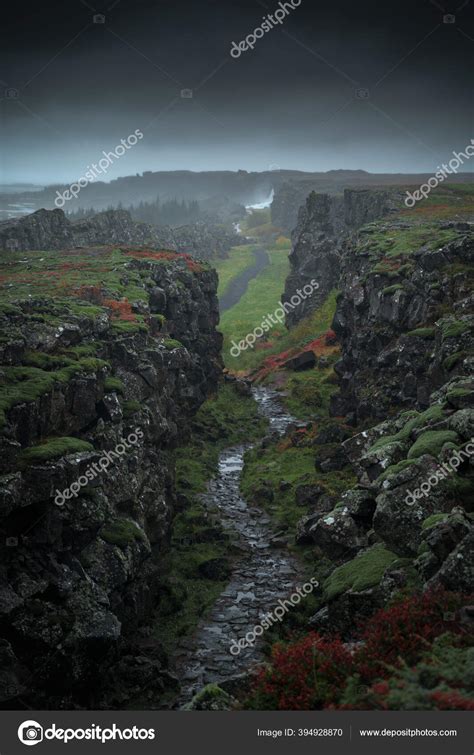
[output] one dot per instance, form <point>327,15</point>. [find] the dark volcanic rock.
<point>304,361</point>
<point>324,222</point>
<point>79,572</point>
<point>51,229</point>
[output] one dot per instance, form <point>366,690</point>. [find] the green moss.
<point>210,697</point>
<point>130,407</point>
<point>458,393</point>
<point>422,333</point>
<point>431,442</point>
<point>264,469</point>
<point>52,448</point>
<point>45,361</point>
<point>396,468</point>
<point>423,548</point>
<point>454,329</point>
<point>172,343</point>
<point>364,571</point>
<point>27,384</point>
<point>113,384</point>
<point>307,392</point>
<point>121,532</point>
<point>125,326</point>
<point>434,413</point>
<point>430,521</point>
<point>84,350</point>
<point>392,289</point>
<point>452,360</point>
<point>92,364</point>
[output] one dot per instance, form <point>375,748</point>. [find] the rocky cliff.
<point>405,322</point>
<point>324,222</point>
<point>51,229</point>
<point>96,390</point>
<point>404,316</point>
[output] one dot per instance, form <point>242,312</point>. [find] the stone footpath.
<point>263,575</point>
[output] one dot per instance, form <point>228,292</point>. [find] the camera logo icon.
<point>30,733</point>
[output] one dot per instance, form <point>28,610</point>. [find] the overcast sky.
<point>382,86</point>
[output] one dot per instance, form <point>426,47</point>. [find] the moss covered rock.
<point>364,571</point>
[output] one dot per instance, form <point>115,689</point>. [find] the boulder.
<point>337,535</point>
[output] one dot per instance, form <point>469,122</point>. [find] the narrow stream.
<point>260,578</point>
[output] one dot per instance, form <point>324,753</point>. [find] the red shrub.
<point>451,701</point>
<point>190,263</point>
<point>406,629</point>
<point>305,675</point>
<point>121,310</point>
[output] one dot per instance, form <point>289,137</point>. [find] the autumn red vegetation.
<point>141,254</point>
<point>378,668</point>
<point>121,310</point>
<point>322,346</point>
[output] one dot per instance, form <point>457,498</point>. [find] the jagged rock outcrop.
<point>315,254</point>
<point>324,222</point>
<point>291,195</point>
<point>206,241</point>
<point>51,229</point>
<point>95,393</point>
<point>405,321</point>
<point>410,522</point>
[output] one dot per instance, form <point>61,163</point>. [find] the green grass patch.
<point>264,470</point>
<point>52,448</point>
<point>172,343</point>
<point>114,385</point>
<point>262,298</point>
<point>310,392</point>
<point>240,259</point>
<point>121,532</point>
<point>131,407</point>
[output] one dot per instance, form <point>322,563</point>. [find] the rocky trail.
<point>238,286</point>
<point>264,574</point>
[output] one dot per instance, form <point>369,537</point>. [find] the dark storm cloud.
<point>384,87</point>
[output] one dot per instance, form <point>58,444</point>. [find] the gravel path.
<point>238,286</point>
